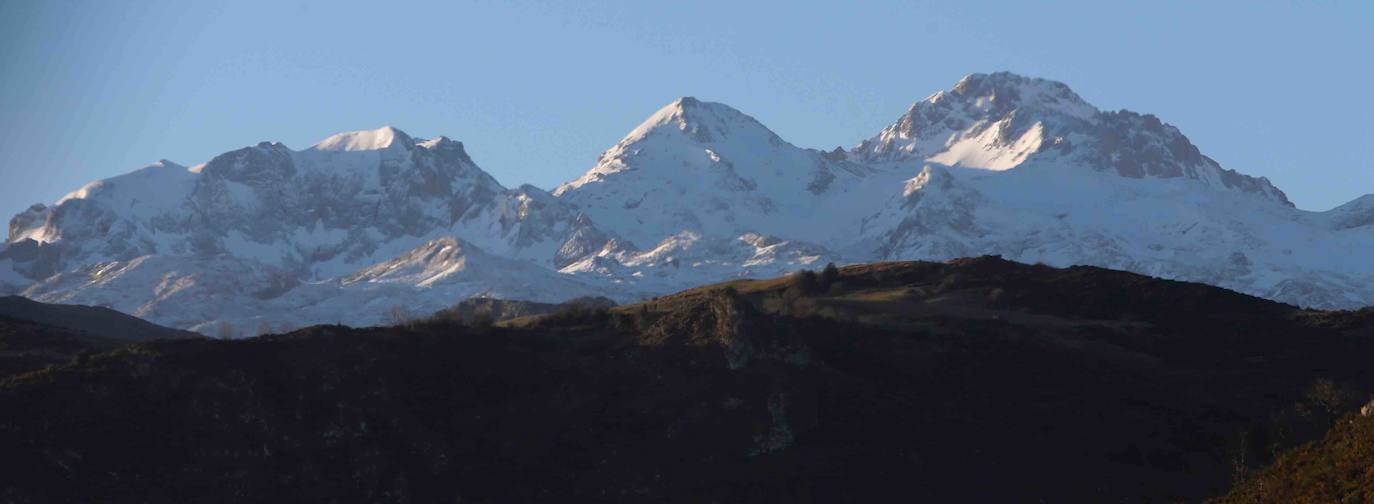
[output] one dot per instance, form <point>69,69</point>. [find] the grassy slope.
<point>1336,469</point>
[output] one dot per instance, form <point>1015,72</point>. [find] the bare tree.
<point>804,283</point>
<point>1240,463</point>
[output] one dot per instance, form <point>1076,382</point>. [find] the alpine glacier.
<point>363,222</point>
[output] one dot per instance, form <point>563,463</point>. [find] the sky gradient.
<point>536,90</point>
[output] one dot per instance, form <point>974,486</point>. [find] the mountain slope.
<point>699,192</point>
<point>266,234</point>
<point>36,335</point>
<point>974,380</point>
<point>706,167</point>
<point>1002,121</point>
<point>27,346</point>
<point>999,164</point>
<point>93,321</point>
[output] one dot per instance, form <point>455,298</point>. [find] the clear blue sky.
<point>538,89</point>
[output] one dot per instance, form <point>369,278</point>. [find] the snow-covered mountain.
<point>268,234</point>
<point>699,192</point>
<point>1004,121</point>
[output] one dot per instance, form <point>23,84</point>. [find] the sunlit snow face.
<point>1000,164</point>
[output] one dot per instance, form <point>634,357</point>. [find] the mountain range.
<point>364,222</point>
<point>972,380</point>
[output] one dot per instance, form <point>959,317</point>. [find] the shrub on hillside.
<point>804,283</point>
<point>577,314</point>
<point>828,277</point>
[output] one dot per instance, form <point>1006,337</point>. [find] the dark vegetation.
<point>29,346</point>
<point>35,335</point>
<point>485,311</point>
<point>1338,468</point>
<point>974,380</point>
<point>90,321</point>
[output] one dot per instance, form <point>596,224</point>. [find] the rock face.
<point>699,192</point>
<point>999,164</point>
<point>1002,121</point>
<point>266,234</point>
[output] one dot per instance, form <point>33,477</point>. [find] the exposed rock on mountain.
<point>699,192</point>
<point>268,234</point>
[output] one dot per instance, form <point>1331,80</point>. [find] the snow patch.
<point>366,140</point>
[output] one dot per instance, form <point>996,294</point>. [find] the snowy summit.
<point>363,222</point>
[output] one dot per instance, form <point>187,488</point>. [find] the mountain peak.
<point>1001,121</point>
<point>689,108</point>
<point>382,138</point>
<point>992,121</point>
<point>440,143</point>
<point>163,163</point>
<point>439,140</point>
<point>1004,91</point>
<point>702,122</point>
<point>684,132</point>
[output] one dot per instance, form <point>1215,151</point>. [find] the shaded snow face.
<point>334,204</point>
<point>288,220</point>
<point>1355,214</point>
<point>365,221</point>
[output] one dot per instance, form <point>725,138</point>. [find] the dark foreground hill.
<point>35,335</point>
<point>92,321</point>
<point>974,380</point>
<point>482,310</point>
<point>28,346</point>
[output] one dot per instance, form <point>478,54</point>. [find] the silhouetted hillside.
<point>492,309</point>
<point>89,320</point>
<point>28,346</point>
<point>972,380</point>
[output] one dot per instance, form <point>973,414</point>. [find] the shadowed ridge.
<point>91,320</point>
